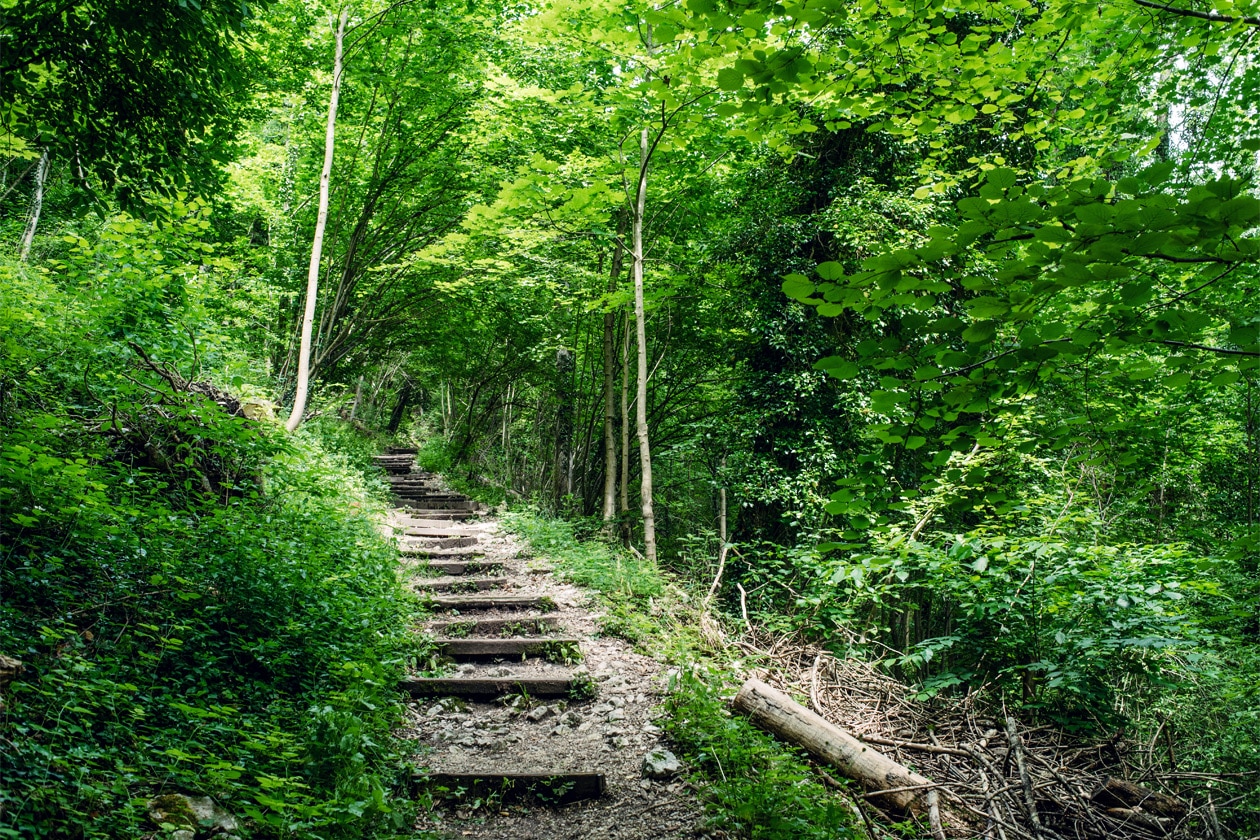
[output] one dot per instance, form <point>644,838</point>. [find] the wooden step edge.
<point>492,602</point>
<point>552,647</point>
<point>466,553</point>
<point>456,584</point>
<point>436,533</point>
<point>488,688</point>
<point>473,627</point>
<point>464,567</point>
<point>544,788</point>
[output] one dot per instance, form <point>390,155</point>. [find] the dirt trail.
<point>540,729</point>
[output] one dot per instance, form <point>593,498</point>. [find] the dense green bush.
<point>202,602</point>
<point>755,787</point>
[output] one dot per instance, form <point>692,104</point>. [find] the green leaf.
<point>830,271</point>
<point>797,286</point>
<point>838,367</point>
<point>730,79</point>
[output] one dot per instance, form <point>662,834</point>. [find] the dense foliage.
<point>196,606</point>
<point>952,303</point>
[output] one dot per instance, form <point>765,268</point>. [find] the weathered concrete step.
<point>487,688</point>
<point>469,627</point>
<point>443,542</point>
<point>546,788</point>
<point>516,646</point>
<point>464,567</point>
<point>459,584</point>
<point>492,602</point>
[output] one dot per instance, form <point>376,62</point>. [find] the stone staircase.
<point>537,726</point>
<point>436,527</point>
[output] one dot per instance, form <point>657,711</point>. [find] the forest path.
<point>541,729</point>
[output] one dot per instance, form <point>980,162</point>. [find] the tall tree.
<point>641,358</point>
<point>321,221</point>
<point>37,207</point>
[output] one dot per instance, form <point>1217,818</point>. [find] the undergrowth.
<point>248,652</point>
<point>755,787</point>
<point>202,602</point>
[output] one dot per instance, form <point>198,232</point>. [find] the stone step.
<point>434,504</point>
<point>464,567</point>
<point>470,627</point>
<point>463,553</point>
<point>545,788</point>
<point>451,515</point>
<point>487,688</point>
<point>443,532</point>
<point>442,542</point>
<point>492,602</point>
<point>459,584</point>
<point>516,646</point>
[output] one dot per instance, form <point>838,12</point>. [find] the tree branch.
<point>1224,351</point>
<point>1214,17</point>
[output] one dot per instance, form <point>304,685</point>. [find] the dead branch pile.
<point>1010,781</point>
<point>183,427</point>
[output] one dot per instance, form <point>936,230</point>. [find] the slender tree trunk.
<point>358,395</point>
<point>563,476</point>
<point>640,409</point>
<point>610,407</point>
<point>624,500</point>
<point>317,245</point>
<point>400,409</point>
<point>37,207</point>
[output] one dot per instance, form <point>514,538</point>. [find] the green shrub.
<point>203,603</point>
<point>593,563</point>
<point>754,786</point>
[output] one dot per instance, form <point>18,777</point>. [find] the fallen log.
<point>1130,817</point>
<point>889,784</point>
<point>1118,793</point>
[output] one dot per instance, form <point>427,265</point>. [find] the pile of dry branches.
<point>1007,780</point>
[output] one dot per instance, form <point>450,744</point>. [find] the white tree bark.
<point>610,406</point>
<point>317,245</point>
<point>640,409</point>
<point>37,207</point>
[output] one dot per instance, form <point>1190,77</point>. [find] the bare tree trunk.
<point>37,207</point>
<point>563,476</point>
<point>624,501</point>
<point>610,408</point>
<point>400,408</point>
<point>317,245</point>
<point>640,409</point>
<point>723,546</point>
<point>358,395</point>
